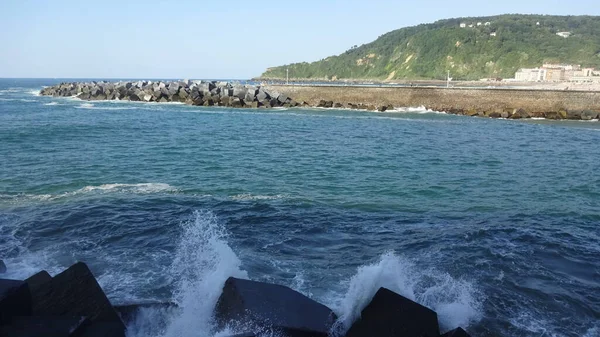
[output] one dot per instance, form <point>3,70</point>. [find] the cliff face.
<point>493,47</point>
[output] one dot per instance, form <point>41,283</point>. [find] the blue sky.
<point>214,39</point>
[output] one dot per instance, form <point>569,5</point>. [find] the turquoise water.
<point>495,224</point>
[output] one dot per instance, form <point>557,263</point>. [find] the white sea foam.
<point>420,110</point>
<point>92,106</point>
<point>456,302</point>
<point>85,106</point>
<point>592,332</point>
<point>35,92</point>
<point>142,188</point>
<point>52,103</point>
<point>203,262</point>
<point>252,197</point>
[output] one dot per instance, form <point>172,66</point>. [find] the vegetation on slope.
<point>428,51</point>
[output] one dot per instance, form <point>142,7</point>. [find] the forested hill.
<point>428,51</point>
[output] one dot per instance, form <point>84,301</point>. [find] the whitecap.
<point>52,103</point>
<point>142,188</point>
<point>85,106</point>
<point>457,302</point>
<point>35,92</point>
<point>92,106</point>
<point>203,262</point>
<point>252,197</point>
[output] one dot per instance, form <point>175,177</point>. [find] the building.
<point>493,34</point>
<point>463,25</point>
<point>531,75</point>
<point>585,72</point>
<point>564,34</point>
<point>555,75</point>
<point>479,24</point>
<point>551,72</point>
<point>488,23</point>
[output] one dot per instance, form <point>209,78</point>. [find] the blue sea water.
<point>495,224</point>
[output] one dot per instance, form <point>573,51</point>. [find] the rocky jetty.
<point>72,304</point>
<point>201,93</point>
<point>507,104</point>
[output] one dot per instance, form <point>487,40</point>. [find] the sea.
<point>494,224</point>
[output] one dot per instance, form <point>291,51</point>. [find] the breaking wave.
<point>203,262</point>
<point>457,302</point>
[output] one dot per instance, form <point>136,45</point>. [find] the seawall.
<point>468,101</point>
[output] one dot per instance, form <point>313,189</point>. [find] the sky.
<point>214,39</point>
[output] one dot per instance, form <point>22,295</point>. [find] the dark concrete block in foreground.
<point>47,326</point>
<point>269,306</point>
<point>38,279</point>
<point>458,332</point>
<point>103,329</point>
<point>392,315</point>
<point>15,300</point>
<point>2,267</point>
<point>74,292</point>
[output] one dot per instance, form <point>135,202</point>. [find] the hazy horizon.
<point>136,40</point>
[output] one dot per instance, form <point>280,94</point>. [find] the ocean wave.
<point>34,92</point>
<point>8,99</point>
<point>203,262</point>
<point>142,188</point>
<point>419,110</point>
<point>92,106</point>
<point>457,302</point>
<point>252,197</point>
<point>52,103</point>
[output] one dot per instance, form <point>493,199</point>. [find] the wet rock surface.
<point>72,304</point>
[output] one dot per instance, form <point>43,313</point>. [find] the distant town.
<point>558,73</point>
<point>548,72</point>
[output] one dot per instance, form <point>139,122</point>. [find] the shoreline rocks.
<point>72,304</point>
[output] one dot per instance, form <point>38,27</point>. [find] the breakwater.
<point>202,93</point>
<point>497,103</point>
<point>494,103</point>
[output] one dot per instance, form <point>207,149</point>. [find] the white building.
<point>493,34</point>
<point>463,25</point>
<point>564,34</point>
<point>479,24</point>
<point>471,26</point>
<point>488,23</point>
<point>531,75</point>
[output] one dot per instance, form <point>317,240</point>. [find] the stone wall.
<point>449,100</point>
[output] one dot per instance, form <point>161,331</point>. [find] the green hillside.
<point>427,51</point>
